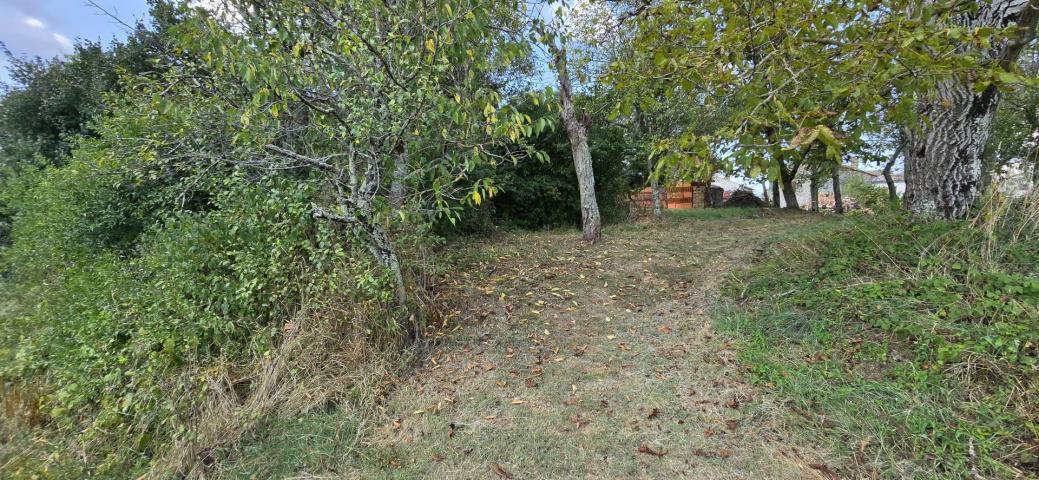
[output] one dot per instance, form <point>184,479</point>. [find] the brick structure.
<point>683,195</point>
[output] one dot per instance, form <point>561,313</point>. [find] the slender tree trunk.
<point>658,193</point>
<point>775,194</point>
<point>943,165</point>
<point>838,200</point>
<point>577,131</point>
<point>398,187</point>
<point>892,190</point>
<point>1035,169</point>
<point>813,188</point>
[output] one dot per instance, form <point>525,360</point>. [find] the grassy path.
<point>573,361</point>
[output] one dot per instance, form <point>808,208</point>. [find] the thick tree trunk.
<point>789,194</point>
<point>943,164</point>
<point>892,190</point>
<point>577,131</point>
<point>838,200</point>
<point>813,188</point>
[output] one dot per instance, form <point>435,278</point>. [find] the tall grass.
<point>910,346</point>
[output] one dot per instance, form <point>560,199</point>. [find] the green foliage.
<point>106,335</point>
<point>805,73</point>
<point>921,339</point>
<point>540,194</point>
<point>51,103</point>
<point>873,197</point>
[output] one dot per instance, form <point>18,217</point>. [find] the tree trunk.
<point>892,190</point>
<point>1035,169</point>
<point>838,200</point>
<point>398,186</point>
<point>656,191</point>
<point>813,187</point>
<point>789,194</point>
<point>775,194</point>
<point>943,165</point>
<point>577,131</point>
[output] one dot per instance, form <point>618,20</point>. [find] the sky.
<point>49,28</point>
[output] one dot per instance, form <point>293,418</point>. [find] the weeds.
<point>910,346</point>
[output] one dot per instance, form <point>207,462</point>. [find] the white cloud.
<point>33,22</point>
<point>66,44</point>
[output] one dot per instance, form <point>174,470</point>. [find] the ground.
<point>573,361</point>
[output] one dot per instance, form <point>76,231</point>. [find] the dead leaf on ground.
<point>501,472</point>
<point>436,457</point>
<point>825,470</point>
<point>649,451</point>
<point>653,413</point>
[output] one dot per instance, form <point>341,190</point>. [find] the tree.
<point>389,103</point>
<point>943,164</point>
<point>553,36</point>
<point>797,70</point>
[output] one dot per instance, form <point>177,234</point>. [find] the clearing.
<point>570,361</point>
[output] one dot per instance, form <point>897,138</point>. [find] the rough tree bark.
<point>838,200</point>
<point>775,194</point>
<point>943,164</point>
<point>577,131</point>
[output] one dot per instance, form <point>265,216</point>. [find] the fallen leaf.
<point>653,413</point>
<point>825,470</point>
<point>451,430</point>
<point>649,451</point>
<point>436,457</point>
<point>501,472</point>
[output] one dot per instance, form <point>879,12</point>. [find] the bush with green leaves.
<point>143,261</point>
<point>867,195</point>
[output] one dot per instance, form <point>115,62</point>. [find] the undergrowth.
<point>910,347</point>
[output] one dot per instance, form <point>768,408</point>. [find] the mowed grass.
<point>554,359</point>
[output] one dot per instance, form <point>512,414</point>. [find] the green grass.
<point>318,442</point>
<point>717,213</point>
<point>908,347</point>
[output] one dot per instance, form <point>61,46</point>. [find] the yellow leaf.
<point>431,45</point>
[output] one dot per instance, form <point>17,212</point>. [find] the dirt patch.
<point>575,361</point>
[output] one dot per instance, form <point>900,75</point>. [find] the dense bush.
<point>867,195</point>
<point>932,327</point>
<point>133,273</point>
